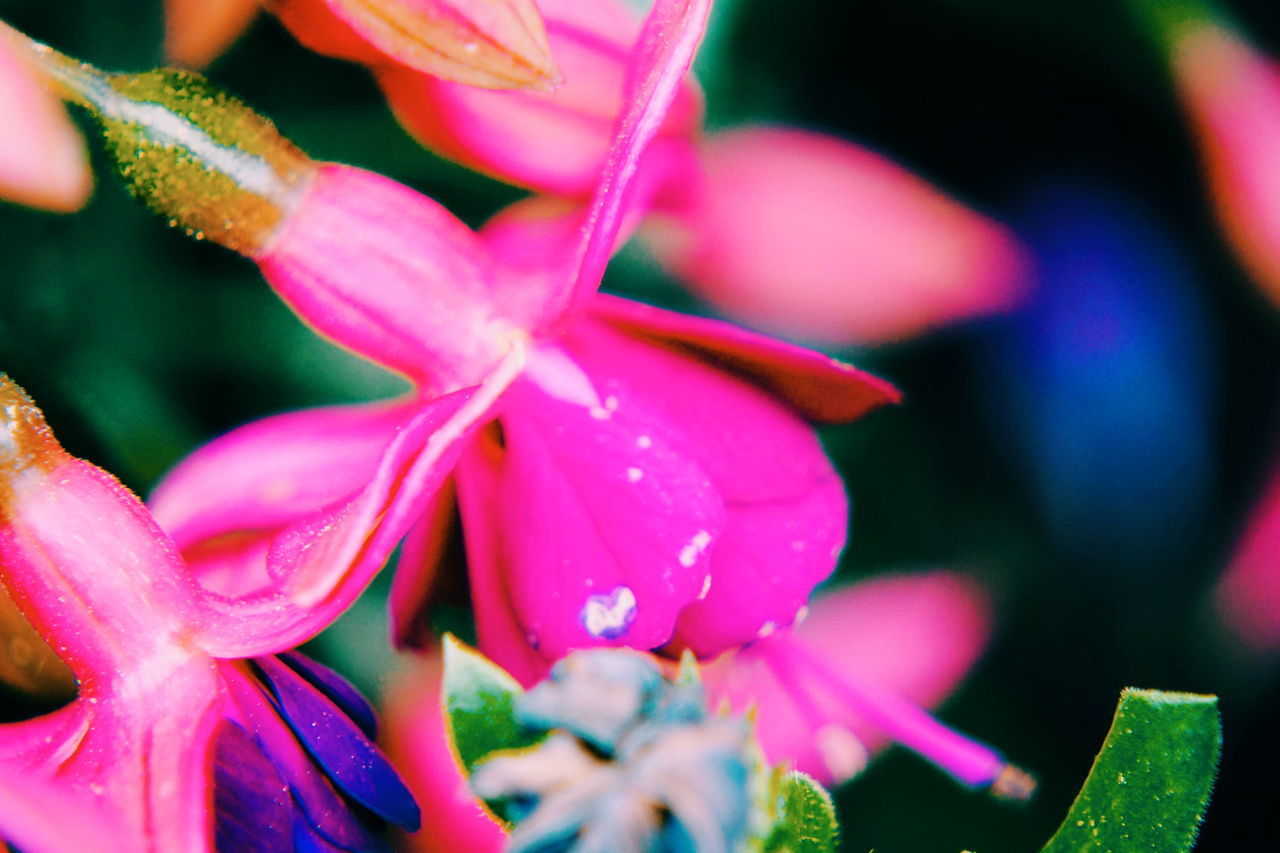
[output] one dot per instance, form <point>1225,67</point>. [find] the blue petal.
<point>251,802</point>
<point>337,688</point>
<point>350,759</point>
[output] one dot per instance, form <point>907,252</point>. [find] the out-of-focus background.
<point>1091,455</point>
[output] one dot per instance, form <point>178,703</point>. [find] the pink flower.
<point>788,230</point>
<point>1248,595</point>
<point>849,678</point>
<point>42,158</point>
<point>1232,96</point>
<point>173,737</point>
<point>626,475</point>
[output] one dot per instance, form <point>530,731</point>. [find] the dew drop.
<point>608,616</point>
<point>634,475</point>
<point>689,553</point>
<point>644,442</point>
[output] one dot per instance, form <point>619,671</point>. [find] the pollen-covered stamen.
<point>187,149</point>
<point>794,663</point>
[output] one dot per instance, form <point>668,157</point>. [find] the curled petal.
<point>496,44</point>
<point>427,316</point>
<point>815,238</point>
<point>197,31</point>
<point>321,563</point>
<point>565,133</point>
<point>821,387</point>
<point>270,473</point>
<point>42,158</point>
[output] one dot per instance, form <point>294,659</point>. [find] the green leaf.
<point>1151,782</point>
<point>479,704</point>
<point>806,818</point>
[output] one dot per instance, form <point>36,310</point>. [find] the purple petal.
<point>821,387</point>
<point>252,807</point>
<point>337,689</point>
<point>320,805</point>
<point>349,757</point>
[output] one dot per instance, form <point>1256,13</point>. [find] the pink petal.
<point>1248,595</point>
<point>321,563</point>
<point>428,315</point>
<point>608,519</point>
<point>414,582</point>
<point>821,387</point>
<point>1232,94</point>
<point>564,134</point>
<point>139,750</point>
<point>33,816</point>
<point>912,636</point>
<point>80,555</point>
<point>657,66</point>
<point>275,471</point>
<point>481,501</point>
<point>785,504</point>
<point>42,158</point>
<point>196,32</point>
<point>811,237</point>
<point>414,737</point>
<point>492,43</point>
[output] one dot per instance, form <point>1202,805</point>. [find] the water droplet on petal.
<point>706,588</point>
<point>843,754</point>
<point>644,442</point>
<point>766,629</point>
<point>609,616</point>
<point>634,475</point>
<point>690,553</point>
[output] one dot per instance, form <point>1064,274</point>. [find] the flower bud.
<point>189,150</point>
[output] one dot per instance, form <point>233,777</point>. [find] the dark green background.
<point>140,344</point>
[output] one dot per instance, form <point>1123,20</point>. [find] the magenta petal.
<point>414,582</point>
<point>609,522</point>
<point>491,559</point>
<point>657,68</point>
<point>322,563</point>
<point>86,563</point>
<point>388,273</point>
<point>33,816</point>
<point>785,504</point>
<point>821,387</point>
<point>274,471</point>
<point>252,806</point>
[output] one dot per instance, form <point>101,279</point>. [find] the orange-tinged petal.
<point>42,158</point>
<point>496,44</point>
<point>196,32</point>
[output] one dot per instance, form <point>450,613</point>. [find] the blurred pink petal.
<point>812,237</point>
<point>198,31</point>
<point>42,158</point>
<point>1232,96</point>
<point>453,819</point>
<point>905,640</point>
<point>1248,595</point>
<point>497,44</point>
<point>563,135</point>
